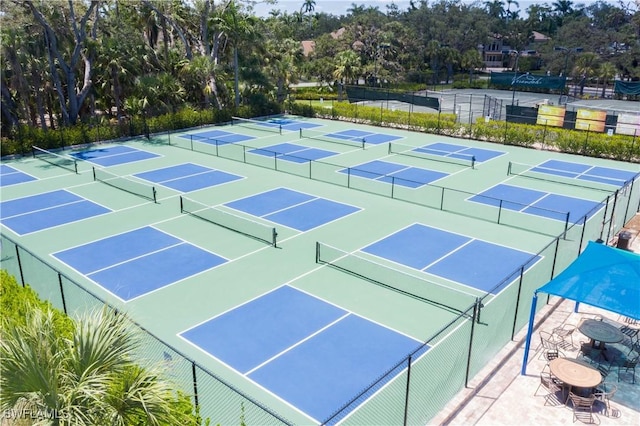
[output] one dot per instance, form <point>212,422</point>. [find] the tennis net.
<point>332,138</point>
<point>433,155</point>
<point>562,176</point>
<point>229,221</point>
<point>266,126</point>
<point>125,184</point>
<point>63,161</point>
<point>393,279</point>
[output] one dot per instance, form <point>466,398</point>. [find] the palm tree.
<point>495,8</point>
<point>347,68</point>
<point>586,64</point>
<point>238,27</point>
<point>512,15</point>
<point>88,378</point>
<point>307,8</point>
<point>470,60</point>
<point>606,72</point>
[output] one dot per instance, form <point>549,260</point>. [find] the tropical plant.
<point>89,378</point>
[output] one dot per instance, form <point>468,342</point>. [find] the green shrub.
<point>16,301</point>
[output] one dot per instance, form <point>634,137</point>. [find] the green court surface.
<point>377,207</point>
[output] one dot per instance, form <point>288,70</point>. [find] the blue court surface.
<point>11,176</point>
<point>361,135</point>
<point>293,209</point>
<point>112,156</point>
<point>292,152</point>
<point>398,174</point>
<point>217,137</point>
<point>37,212</point>
<point>135,263</point>
<point>469,261</point>
<point>459,151</point>
<point>285,123</point>
<point>580,171</point>
<point>188,177</point>
<point>539,203</point>
<point>312,354</point>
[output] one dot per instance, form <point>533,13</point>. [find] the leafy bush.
<point>16,301</point>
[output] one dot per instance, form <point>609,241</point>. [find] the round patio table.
<point>600,331</point>
<point>575,373</point>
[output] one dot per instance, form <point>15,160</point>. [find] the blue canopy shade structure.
<point>602,276</point>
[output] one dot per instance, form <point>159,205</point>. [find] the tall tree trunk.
<point>235,76</point>
<point>71,101</point>
<point>37,84</point>
<point>9,108</point>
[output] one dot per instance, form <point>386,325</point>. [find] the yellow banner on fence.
<point>589,119</point>
<point>550,115</point>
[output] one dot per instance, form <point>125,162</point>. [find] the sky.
<point>339,7</point>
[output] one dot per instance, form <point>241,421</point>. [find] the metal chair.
<point>563,333</point>
<point>552,387</point>
<point>548,343</point>
<point>582,407</point>
<point>603,395</point>
<point>629,365</point>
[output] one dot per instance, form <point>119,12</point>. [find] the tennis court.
<point>11,176</point>
<point>320,272</point>
<point>273,340</point>
<point>188,177</point>
<point>112,156</point>
<point>37,212</point>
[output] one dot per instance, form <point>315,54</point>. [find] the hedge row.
<point>593,144</point>
<point>23,137</point>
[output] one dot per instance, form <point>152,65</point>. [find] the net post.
<point>275,236</point>
<point>566,226</point>
<point>317,251</point>
<point>33,151</point>
<point>363,142</point>
<point>75,166</point>
<point>181,205</point>
<point>389,150</point>
<point>300,132</point>
<point>473,162</point>
<point>153,191</point>
<point>509,169</point>
<point>280,128</point>
<point>94,173</point>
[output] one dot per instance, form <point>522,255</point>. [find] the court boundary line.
<point>298,343</point>
<point>15,170</point>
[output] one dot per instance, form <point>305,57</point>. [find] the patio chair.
<point>603,395</point>
<point>563,333</point>
<point>548,343</point>
<point>552,388</point>
<point>629,365</point>
<point>582,407</point>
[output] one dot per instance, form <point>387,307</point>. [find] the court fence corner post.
<point>195,386</point>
